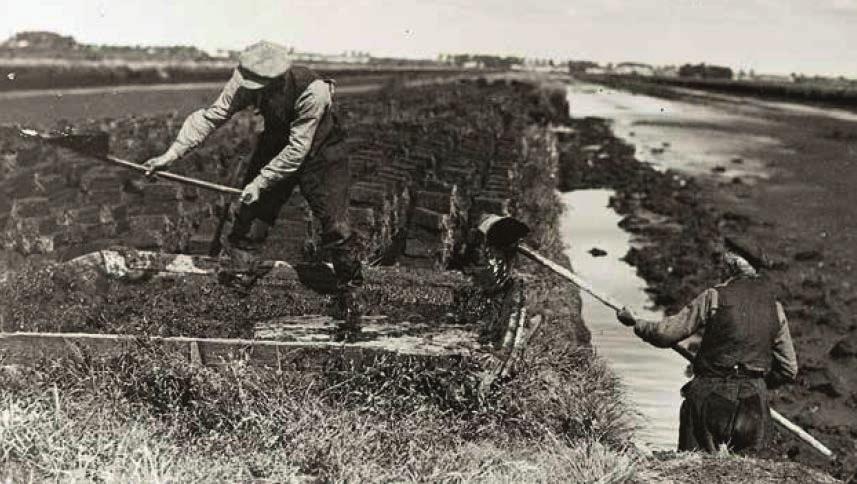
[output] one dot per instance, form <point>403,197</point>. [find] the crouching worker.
<point>300,147</point>
<point>745,346</point>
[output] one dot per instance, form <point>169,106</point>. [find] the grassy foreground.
<point>149,417</point>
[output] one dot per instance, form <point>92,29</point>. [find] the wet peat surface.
<point>784,178</point>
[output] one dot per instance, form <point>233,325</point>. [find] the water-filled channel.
<point>652,376</point>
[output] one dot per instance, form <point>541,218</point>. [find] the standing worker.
<point>300,146</point>
<point>745,341</point>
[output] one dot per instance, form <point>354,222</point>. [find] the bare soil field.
<point>59,106</point>
<point>55,73</point>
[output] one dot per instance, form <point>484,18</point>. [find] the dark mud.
<point>678,219</point>
<point>671,467</point>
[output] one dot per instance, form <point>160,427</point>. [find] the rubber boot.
<point>241,267</point>
<point>347,267</point>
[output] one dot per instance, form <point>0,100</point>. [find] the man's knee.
<point>244,229</point>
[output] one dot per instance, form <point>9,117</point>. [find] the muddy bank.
<point>678,218</point>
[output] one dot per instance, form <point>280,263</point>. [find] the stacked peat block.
<point>433,226</point>
<point>206,225</point>
<point>363,160</point>
<point>377,212</point>
<point>160,217</point>
<point>28,222</point>
<point>502,170</point>
<point>5,208</point>
<point>294,236</point>
<point>442,148</point>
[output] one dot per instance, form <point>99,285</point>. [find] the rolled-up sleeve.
<point>203,122</point>
<point>672,329</point>
<point>785,360</point>
<point>309,110</point>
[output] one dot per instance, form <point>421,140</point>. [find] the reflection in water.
<point>652,376</point>
<point>671,134</point>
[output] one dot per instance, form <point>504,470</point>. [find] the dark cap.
<point>748,250</point>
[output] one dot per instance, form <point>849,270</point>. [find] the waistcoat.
<point>741,334</point>
<point>277,107</point>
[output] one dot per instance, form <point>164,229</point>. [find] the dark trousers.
<point>323,180</point>
<point>730,411</point>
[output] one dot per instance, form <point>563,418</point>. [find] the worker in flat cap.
<point>300,147</point>
<point>745,347</point>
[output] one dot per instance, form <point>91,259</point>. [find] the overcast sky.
<point>809,36</point>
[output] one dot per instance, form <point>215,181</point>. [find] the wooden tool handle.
<point>174,177</point>
<point>573,278</point>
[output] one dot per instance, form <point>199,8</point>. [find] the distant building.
<point>772,78</point>
<point>223,54</point>
<point>634,69</point>
<point>666,71</point>
<point>580,67</point>
<point>344,58</point>
<point>596,70</point>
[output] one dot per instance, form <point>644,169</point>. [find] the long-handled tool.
<point>96,144</point>
<point>216,245</point>
<point>687,354</point>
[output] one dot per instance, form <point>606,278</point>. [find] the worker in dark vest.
<point>745,347</point>
<point>300,147</point>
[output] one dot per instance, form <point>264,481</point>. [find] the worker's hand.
<point>159,163</point>
<point>253,191</point>
<point>626,317</point>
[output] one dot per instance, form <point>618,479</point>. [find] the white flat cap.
<point>262,62</point>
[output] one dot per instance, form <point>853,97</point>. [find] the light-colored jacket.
<point>309,109</point>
